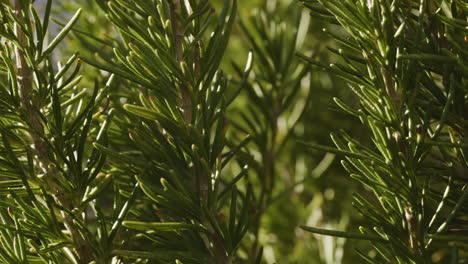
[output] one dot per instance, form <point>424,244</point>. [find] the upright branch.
<point>186,146</point>
<point>44,155</point>
<point>269,156</point>
<point>185,104</point>
<point>24,75</point>
<point>178,37</point>
<point>407,91</point>
<point>279,79</point>
<point>185,98</point>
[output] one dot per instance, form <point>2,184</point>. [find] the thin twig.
<point>268,177</point>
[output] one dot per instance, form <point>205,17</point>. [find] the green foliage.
<point>407,65</point>
<point>276,81</point>
<point>196,140</point>
<point>50,170</point>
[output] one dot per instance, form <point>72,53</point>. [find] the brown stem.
<point>178,34</point>
<point>268,173</point>
<point>24,75</point>
<point>412,230</point>
<point>185,102</point>
<point>391,90</point>
<point>44,157</point>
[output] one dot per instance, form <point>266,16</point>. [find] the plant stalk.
<point>178,37</point>
<point>44,156</point>
<point>268,172</point>
<point>185,103</point>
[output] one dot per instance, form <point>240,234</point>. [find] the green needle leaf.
<point>334,233</point>
<point>61,35</point>
<point>141,111</point>
<point>164,227</point>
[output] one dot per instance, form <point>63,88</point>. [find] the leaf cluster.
<point>407,66</point>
